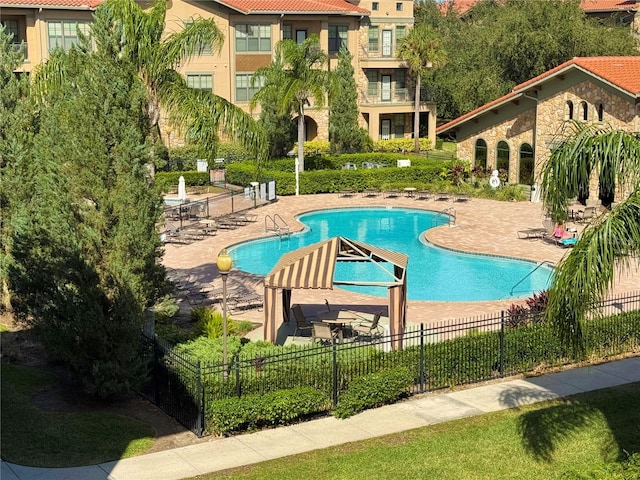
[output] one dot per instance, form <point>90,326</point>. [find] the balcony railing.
<point>20,47</point>
<point>395,95</point>
<point>377,51</point>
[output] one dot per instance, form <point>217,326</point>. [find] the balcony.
<point>377,95</point>
<point>374,55</point>
<point>20,47</point>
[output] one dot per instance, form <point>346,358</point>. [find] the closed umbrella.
<point>182,189</point>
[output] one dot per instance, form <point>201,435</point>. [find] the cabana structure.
<point>314,266</point>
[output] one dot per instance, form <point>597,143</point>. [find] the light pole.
<point>297,164</point>
<point>224,263</point>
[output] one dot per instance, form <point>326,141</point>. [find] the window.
<point>526,165</point>
<point>386,43</point>
<point>372,85</point>
<point>301,36</point>
<point>481,154</point>
<point>400,77</point>
<point>502,157</point>
<point>398,125</point>
<point>600,112</point>
<point>569,110</point>
<point>398,6</point>
<point>287,32</point>
<point>206,48</point>
<point>200,81</point>
<point>11,28</point>
<point>244,90</point>
<point>584,110</point>
<point>253,38</point>
<point>400,32</point>
<point>374,35</point>
<point>337,37</point>
<point>62,33</point>
<point>375,6</point>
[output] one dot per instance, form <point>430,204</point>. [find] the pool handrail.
<point>544,262</point>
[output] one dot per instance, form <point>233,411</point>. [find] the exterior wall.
<point>539,126</point>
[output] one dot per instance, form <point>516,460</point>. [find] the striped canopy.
<point>314,267</point>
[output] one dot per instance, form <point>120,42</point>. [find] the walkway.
<point>223,453</point>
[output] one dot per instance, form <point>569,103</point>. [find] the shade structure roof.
<point>314,266</point>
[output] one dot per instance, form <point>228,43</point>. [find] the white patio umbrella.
<point>182,189</point>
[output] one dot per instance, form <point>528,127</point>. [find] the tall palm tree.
<point>156,58</point>
<point>300,69</point>
<point>421,49</point>
<point>612,240</point>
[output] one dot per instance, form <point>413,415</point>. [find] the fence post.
<point>501,367</point>
<point>200,419</point>
<point>335,371</point>
<point>422,379</point>
<point>156,371</point>
<point>237,369</point>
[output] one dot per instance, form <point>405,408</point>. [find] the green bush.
<point>255,411</point>
<point>166,181</point>
<point>209,323</point>
<point>208,351</point>
<point>401,145</point>
<point>374,390</point>
<point>184,158</point>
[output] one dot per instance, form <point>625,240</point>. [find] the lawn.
<point>565,439</point>
<point>35,437</point>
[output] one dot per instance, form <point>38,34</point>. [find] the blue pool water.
<point>432,273</point>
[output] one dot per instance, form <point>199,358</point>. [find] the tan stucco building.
<point>370,29</point>
<point>515,133</point>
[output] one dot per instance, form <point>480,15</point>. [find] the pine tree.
<point>85,248</point>
<point>345,134</point>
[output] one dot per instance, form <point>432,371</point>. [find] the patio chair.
<point>366,328</point>
<point>302,322</point>
<point>584,216</point>
<point>323,333</point>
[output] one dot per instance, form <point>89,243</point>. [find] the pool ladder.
<point>276,225</point>
<point>449,214</point>
<point>544,262</point>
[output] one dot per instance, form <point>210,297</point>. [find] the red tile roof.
<point>621,72</point>
<point>593,6</point>
<point>295,6</point>
<point>62,4</point>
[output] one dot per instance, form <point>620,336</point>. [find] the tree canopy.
<point>498,45</point>
<point>611,241</point>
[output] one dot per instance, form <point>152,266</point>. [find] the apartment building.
<point>370,30</point>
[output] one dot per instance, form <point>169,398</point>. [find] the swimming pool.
<point>433,273</point>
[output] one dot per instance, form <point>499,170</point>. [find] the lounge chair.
<point>563,237</point>
<point>302,322</point>
<point>532,233</point>
<point>323,333</point>
<point>393,193</point>
<point>245,301</point>
<point>346,193</point>
<point>371,192</point>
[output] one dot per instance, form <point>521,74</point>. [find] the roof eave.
<point>508,98</point>
<point>88,8</point>
<point>305,12</point>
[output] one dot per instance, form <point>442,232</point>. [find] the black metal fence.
<point>443,355</point>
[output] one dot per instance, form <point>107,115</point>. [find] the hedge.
<point>256,411</point>
<point>374,390</point>
<point>165,181</point>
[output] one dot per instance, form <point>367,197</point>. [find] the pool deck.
<point>482,226</point>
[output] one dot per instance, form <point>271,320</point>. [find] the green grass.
<point>38,438</point>
<point>543,441</point>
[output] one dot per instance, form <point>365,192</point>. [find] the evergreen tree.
<point>84,246</point>
<point>345,133</point>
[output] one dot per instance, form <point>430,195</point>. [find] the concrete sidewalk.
<point>223,453</point>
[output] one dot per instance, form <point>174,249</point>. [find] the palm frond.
<point>192,40</point>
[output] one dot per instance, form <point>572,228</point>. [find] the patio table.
<point>339,319</point>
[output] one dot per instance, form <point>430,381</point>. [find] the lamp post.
<point>297,164</point>
<point>224,263</point>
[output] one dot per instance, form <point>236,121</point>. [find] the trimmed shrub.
<point>401,145</point>
<point>184,158</point>
<point>256,411</point>
<point>165,181</point>
<point>374,390</point>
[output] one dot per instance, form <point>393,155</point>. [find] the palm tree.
<point>608,243</point>
<point>156,58</point>
<point>421,50</point>
<point>302,78</point>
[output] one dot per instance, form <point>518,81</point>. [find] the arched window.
<point>600,112</point>
<point>480,157</point>
<point>502,157</point>
<point>584,111</point>
<point>569,110</point>
<point>526,166</point>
